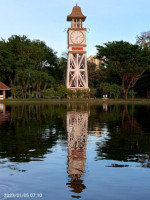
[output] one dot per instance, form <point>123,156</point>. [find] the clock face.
<point>77,37</point>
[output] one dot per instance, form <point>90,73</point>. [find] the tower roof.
<point>76,13</point>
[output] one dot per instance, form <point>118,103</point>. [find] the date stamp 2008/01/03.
<point>23,195</point>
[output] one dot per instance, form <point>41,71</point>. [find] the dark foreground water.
<point>63,152</point>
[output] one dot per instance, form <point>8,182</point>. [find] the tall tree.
<point>143,86</point>
<point>144,39</point>
<point>127,60</point>
<point>27,64</point>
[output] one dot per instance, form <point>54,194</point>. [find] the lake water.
<point>75,151</point>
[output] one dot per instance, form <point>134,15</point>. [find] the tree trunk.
<point>22,92</point>
<point>36,94</point>
<point>30,93</point>
<point>37,91</point>
<point>128,81</point>
<point>126,94</point>
<point>124,89</point>
<point>11,84</point>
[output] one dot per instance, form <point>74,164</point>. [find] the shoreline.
<point>95,101</point>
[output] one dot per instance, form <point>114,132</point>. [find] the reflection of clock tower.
<point>77,77</point>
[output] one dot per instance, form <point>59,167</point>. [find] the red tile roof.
<point>3,86</point>
<point>76,13</point>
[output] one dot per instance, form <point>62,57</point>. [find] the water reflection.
<point>77,124</point>
<point>105,135</point>
<point>28,132</point>
<point>4,116</point>
<point>127,140</point>
<point>105,107</point>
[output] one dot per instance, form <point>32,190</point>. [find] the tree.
<point>143,86</point>
<point>113,89</point>
<point>91,66</point>
<point>105,87</point>
<point>95,76</point>
<point>144,39</point>
<point>127,60</point>
<point>60,69</point>
<point>27,66</point>
<point>62,91</point>
<point>49,92</point>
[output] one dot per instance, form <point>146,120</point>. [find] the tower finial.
<point>76,4</point>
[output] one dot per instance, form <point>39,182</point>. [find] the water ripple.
<point>4,188</point>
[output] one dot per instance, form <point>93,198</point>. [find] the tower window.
<point>76,23</point>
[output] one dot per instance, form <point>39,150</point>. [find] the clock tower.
<point>77,77</point>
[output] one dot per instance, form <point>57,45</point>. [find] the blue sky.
<point>107,20</point>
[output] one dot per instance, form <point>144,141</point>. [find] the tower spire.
<point>76,14</point>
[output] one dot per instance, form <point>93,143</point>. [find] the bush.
<point>62,91</point>
<point>48,92</point>
<point>132,93</point>
<point>93,92</point>
<point>113,89</point>
<point>17,92</point>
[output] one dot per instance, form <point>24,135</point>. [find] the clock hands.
<point>77,37</point>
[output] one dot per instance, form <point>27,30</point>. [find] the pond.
<point>75,151</point>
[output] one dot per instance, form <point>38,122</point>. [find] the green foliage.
<point>60,70</point>
<point>144,39</point>
<point>62,91</point>
<point>26,65</point>
<point>114,89</point>
<point>127,60</point>
<point>32,69</point>
<point>82,93</point>
<point>48,92</point>
<point>132,93</point>
<point>105,87</point>
<point>17,91</point>
<point>95,76</point>
<point>86,94</point>
<point>91,66</point>
<point>93,92</point>
<point>79,93</point>
<point>142,88</point>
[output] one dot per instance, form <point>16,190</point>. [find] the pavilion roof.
<point>3,86</point>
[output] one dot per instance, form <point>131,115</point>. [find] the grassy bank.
<point>98,100</point>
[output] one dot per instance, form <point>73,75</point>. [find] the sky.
<point>107,20</point>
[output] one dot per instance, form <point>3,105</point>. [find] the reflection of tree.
<point>99,116</point>
<point>31,131</point>
<point>127,140</point>
<point>129,123</point>
<point>77,123</point>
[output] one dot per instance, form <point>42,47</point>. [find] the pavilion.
<point>3,89</point>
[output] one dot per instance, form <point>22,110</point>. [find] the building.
<point>97,62</point>
<point>3,89</point>
<point>76,77</point>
